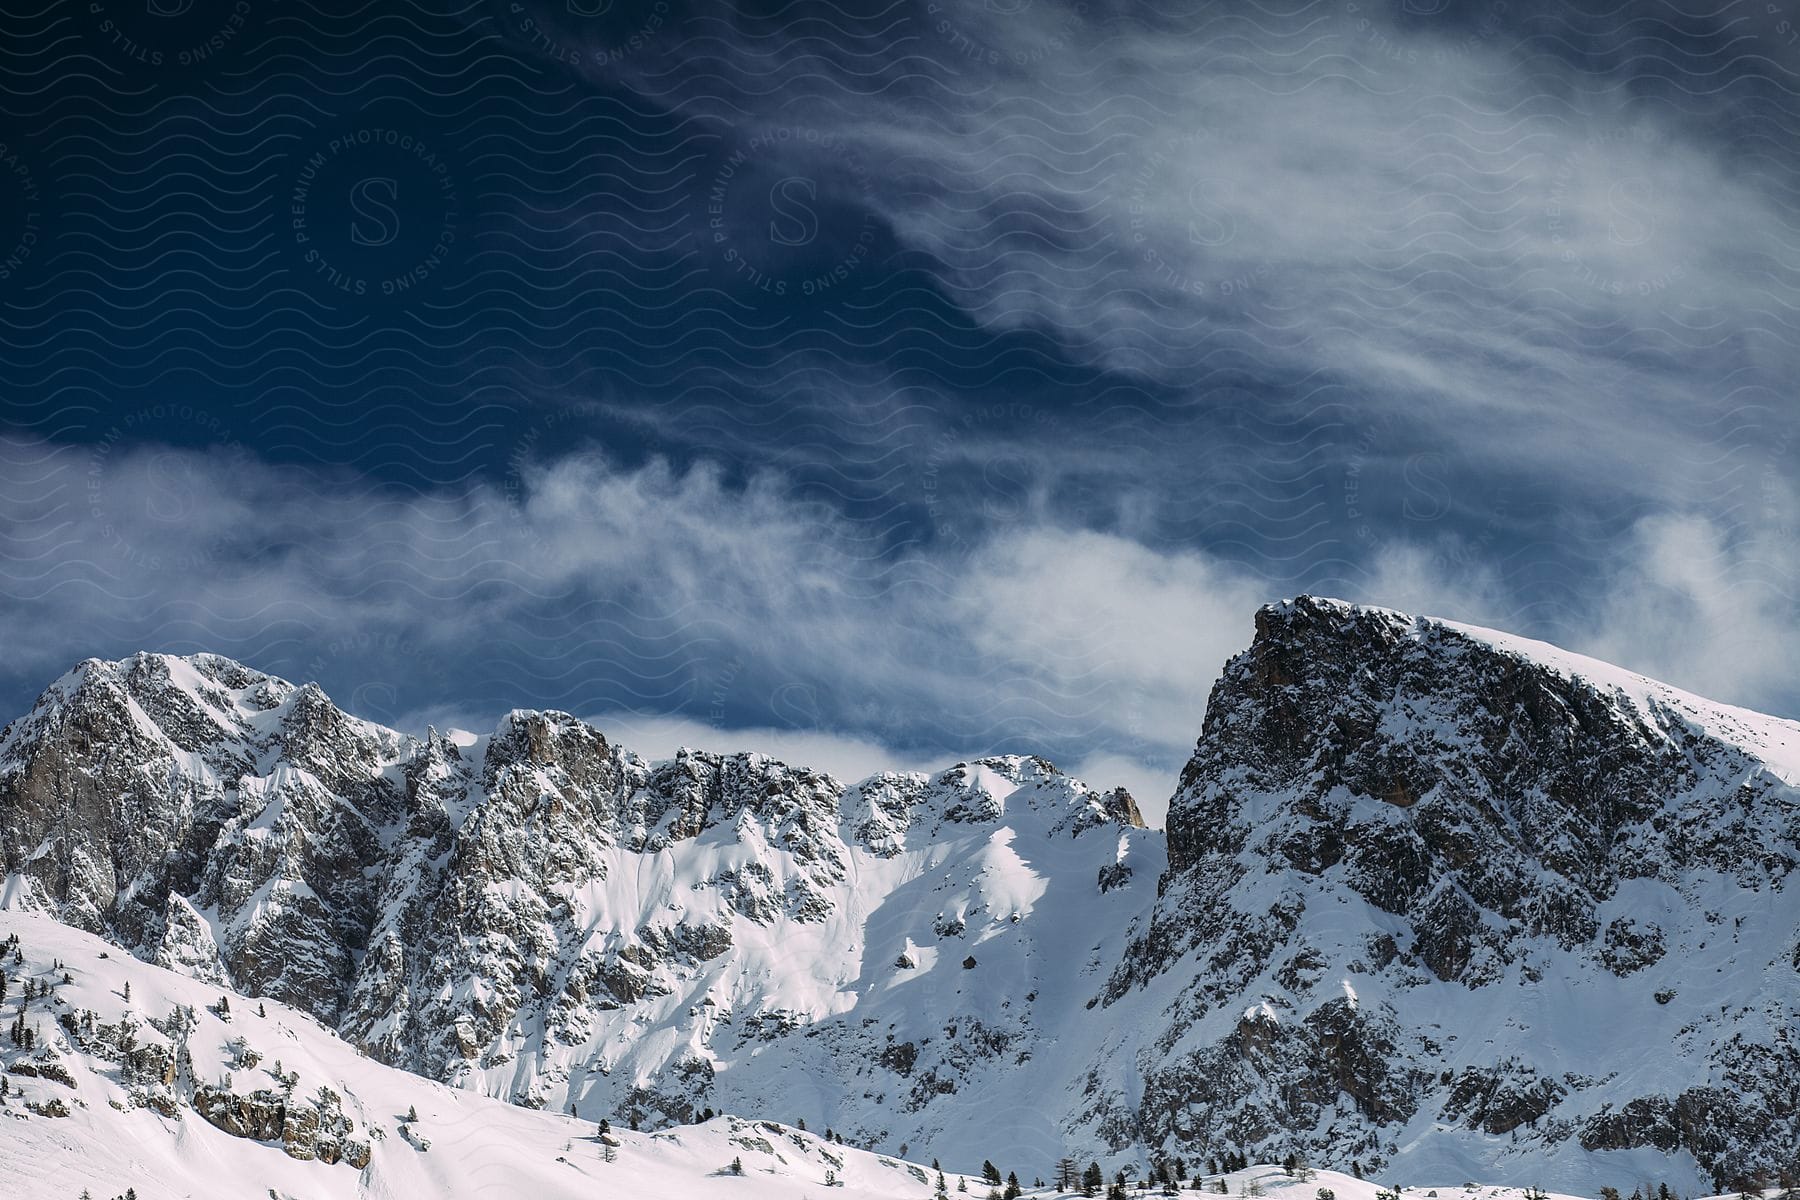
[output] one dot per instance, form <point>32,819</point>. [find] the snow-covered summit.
<point>1775,741</point>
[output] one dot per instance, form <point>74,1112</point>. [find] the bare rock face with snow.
<point>1425,876</point>
<point>1428,895</point>
<point>543,916</point>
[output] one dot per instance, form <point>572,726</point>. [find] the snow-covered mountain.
<point>138,1077</point>
<point>1432,899</point>
<point>544,917</point>
<point>1438,895</point>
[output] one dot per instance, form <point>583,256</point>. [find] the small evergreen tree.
<point>989,1172</point>
<point>1092,1180</point>
<point>1065,1174</point>
<point>128,991</point>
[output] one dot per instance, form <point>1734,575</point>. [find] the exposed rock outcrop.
<point>1443,821</point>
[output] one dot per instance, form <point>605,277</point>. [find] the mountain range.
<point>1432,900</point>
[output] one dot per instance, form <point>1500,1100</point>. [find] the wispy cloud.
<point>679,606</point>
<point>1468,278</point>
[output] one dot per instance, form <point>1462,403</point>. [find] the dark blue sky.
<point>897,384</point>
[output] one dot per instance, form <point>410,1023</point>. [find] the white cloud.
<point>1692,603</point>
<point>676,590</point>
<point>734,616</point>
<point>1446,577</point>
<point>1110,632</point>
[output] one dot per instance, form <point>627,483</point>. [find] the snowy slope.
<point>127,1128</point>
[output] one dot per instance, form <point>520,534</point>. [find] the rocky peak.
<point>1119,806</point>
<point>1484,812</point>
<point>698,790</point>
<point>547,739</point>
<point>1452,730</point>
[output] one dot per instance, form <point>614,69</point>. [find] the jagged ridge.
<point>543,915</point>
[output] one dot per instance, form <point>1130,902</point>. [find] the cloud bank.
<point>680,606</point>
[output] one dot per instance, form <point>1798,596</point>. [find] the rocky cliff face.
<point>1427,895</point>
<point>200,810</point>
<point>1428,877</point>
<point>544,916</point>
